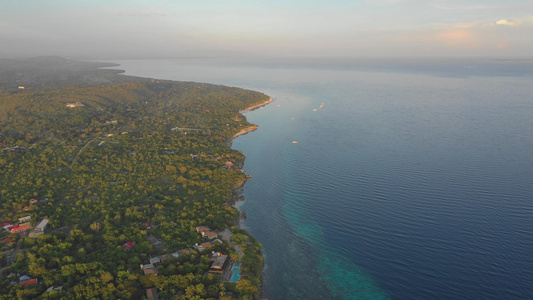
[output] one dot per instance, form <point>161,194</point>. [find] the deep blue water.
<point>414,181</point>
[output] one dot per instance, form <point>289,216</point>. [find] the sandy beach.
<point>253,127</point>
<point>257,106</point>
<point>246,130</point>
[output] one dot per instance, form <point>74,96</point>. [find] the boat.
<point>294,142</point>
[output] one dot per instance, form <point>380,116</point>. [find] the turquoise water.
<point>236,269</point>
<point>412,182</point>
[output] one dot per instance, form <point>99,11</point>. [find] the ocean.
<point>383,178</point>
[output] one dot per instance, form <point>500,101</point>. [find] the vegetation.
<point>138,159</point>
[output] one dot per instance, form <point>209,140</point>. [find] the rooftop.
<point>219,261</point>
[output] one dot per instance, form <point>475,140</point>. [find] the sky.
<point>124,29</point>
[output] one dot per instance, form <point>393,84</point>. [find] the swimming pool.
<point>236,269</point>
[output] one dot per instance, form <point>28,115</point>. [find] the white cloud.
<point>505,22</point>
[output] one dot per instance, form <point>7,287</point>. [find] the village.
<point>221,264</point>
<point>112,153</point>
<point>22,230</point>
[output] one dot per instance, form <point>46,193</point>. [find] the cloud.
<point>523,23</point>
<point>505,22</point>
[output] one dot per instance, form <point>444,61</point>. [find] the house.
<point>218,263</point>
<point>33,201</point>
<point>155,260</point>
<point>183,251</point>
<point>42,225</point>
<point>6,225</point>
<point>201,229</point>
<point>155,242</point>
<point>127,246</point>
<point>201,247</point>
<point>19,228</point>
<point>151,294</point>
<point>149,269</point>
<point>163,257</point>
<point>39,229</point>
<point>207,244</point>
<point>206,232</point>
<point>198,247</point>
<point>24,219</point>
<point>28,282</point>
<point>210,235</point>
<point>54,288</point>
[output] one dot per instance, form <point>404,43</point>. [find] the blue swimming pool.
<point>236,272</point>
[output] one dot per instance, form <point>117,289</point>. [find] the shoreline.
<point>239,189</point>
<point>245,131</point>
<point>252,127</point>
<point>249,109</point>
<point>239,196</point>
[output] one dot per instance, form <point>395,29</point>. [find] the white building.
<point>25,219</point>
<point>41,225</point>
<point>39,229</point>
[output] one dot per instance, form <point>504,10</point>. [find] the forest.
<point>119,162</point>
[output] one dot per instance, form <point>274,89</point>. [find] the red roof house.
<point>127,246</point>
<point>19,228</point>
<point>28,282</point>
